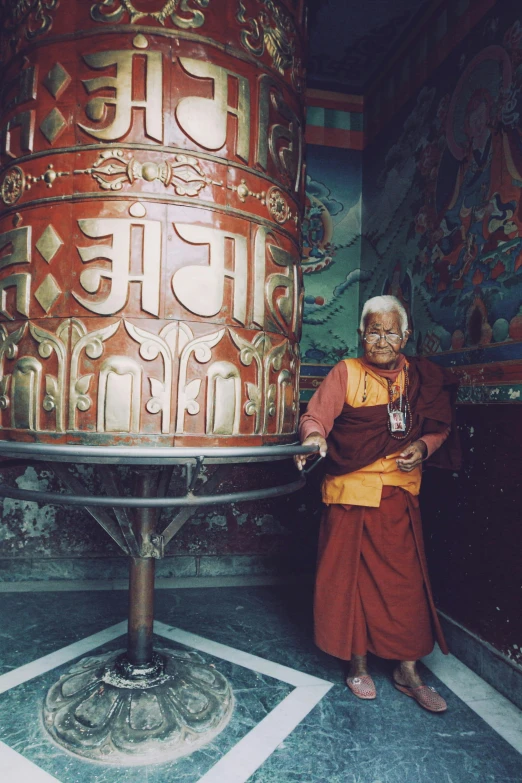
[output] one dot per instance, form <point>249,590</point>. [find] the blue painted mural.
<point>442,220</point>
<point>331,254</point>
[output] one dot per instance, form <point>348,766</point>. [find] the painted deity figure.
<point>470,203</point>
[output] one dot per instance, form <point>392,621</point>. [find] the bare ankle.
<point>406,673</point>
<point>358,666</point>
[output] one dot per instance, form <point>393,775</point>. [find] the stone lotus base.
<point>107,710</point>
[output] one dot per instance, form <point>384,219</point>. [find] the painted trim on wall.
<point>329,99</point>
<point>335,120</point>
<point>335,137</point>
<point>486,375</point>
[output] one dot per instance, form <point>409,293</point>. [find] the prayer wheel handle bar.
<point>140,455</point>
<point>149,455</point>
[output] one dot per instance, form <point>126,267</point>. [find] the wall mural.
<point>331,254</point>
<point>442,217</point>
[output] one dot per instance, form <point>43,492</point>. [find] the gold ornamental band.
<point>150,148</point>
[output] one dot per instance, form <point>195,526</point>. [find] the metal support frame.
<point>193,459</point>
<point>140,675</point>
<point>150,455</point>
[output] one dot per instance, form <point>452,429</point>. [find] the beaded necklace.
<point>399,420</point>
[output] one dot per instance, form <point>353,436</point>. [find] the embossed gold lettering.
<point>22,283</point>
<point>201,288</point>
<point>258,315</point>
<point>122,100</point>
<point>119,254</point>
<point>15,248</point>
<point>17,243</point>
<point>25,121</point>
<point>204,120</point>
<point>19,90</point>
<point>284,309</point>
<point>272,137</point>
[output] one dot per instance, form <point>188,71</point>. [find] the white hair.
<point>384,304</point>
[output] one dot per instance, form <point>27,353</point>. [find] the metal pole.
<point>141,578</point>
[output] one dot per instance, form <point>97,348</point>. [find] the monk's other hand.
<point>312,440</point>
<point>412,456</point>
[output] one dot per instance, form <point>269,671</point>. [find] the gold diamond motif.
<point>49,243</point>
<point>53,125</point>
<point>57,80</point>
<point>47,293</point>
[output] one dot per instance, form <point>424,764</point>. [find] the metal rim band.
<point>116,501</point>
<point>94,454</point>
<point>139,455</point>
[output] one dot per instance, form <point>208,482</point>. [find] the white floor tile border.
<point>58,658</point>
<point>241,761</point>
<point>17,769</point>
<point>497,711</point>
<point>251,752</point>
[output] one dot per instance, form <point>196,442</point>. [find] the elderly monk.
<point>377,419</point>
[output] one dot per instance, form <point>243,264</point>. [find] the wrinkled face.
<point>383,353</point>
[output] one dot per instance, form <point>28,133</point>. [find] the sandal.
<point>363,687</point>
<point>424,695</point>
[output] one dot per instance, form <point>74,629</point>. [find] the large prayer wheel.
<point>151,196</point>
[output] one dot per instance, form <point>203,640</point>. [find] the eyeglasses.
<point>392,339</point>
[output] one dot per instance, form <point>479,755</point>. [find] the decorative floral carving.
<point>4,390</point>
<point>277,205</point>
<point>201,347</point>
<point>49,343</point>
<point>8,349</point>
<point>49,176</point>
<point>24,18</point>
<point>170,341</point>
<point>272,29</point>
<point>51,393</point>
<point>182,13</point>
<point>274,200</point>
<point>12,185</point>
<point>92,343</point>
<point>263,399</point>
<point>35,14</point>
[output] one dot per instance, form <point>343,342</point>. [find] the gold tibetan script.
<point>119,254</point>
<point>204,120</point>
<point>122,100</point>
<point>25,120</point>
<point>283,141</point>
<point>201,288</point>
<point>15,248</point>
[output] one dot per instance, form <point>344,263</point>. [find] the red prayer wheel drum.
<point>151,194</point>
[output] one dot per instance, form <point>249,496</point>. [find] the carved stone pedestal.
<point>141,706</point>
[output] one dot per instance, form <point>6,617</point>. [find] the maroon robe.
<point>372,586</point>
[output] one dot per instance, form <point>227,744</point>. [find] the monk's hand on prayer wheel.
<point>312,440</point>
<point>412,456</point>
